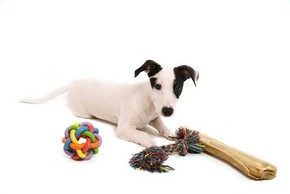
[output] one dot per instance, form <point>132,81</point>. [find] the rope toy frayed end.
<point>151,159</point>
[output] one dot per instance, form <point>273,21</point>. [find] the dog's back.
<point>91,98</point>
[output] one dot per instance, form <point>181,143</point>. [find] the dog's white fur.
<point>130,106</point>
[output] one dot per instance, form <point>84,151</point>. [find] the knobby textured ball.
<point>81,141</point>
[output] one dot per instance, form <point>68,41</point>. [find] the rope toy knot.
<point>81,141</point>
<point>187,141</point>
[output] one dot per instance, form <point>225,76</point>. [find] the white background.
<point>240,48</point>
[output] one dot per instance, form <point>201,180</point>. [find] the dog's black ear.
<point>150,67</point>
<point>184,72</point>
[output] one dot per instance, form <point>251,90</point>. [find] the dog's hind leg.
<point>83,115</point>
<point>77,108</point>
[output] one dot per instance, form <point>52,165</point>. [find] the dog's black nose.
<point>167,111</point>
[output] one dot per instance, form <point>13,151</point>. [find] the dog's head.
<point>166,84</point>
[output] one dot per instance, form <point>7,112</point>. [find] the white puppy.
<point>130,106</point>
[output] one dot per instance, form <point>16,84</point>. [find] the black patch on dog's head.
<point>177,84</point>
<point>150,67</point>
<point>182,73</point>
<point>154,84</point>
<point>153,81</point>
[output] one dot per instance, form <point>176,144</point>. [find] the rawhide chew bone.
<point>251,166</point>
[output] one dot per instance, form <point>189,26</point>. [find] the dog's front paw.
<point>147,143</point>
<point>166,133</point>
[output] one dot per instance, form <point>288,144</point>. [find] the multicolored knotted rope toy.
<point>85,132</point>
<point>152,158</point>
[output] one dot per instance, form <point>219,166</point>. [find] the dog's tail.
<point>50,96</point>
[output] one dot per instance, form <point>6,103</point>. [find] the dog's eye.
<point>157,86</point>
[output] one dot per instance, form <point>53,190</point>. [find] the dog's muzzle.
<point>167,111</point>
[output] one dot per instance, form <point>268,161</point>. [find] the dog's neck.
<point>146,99</point>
